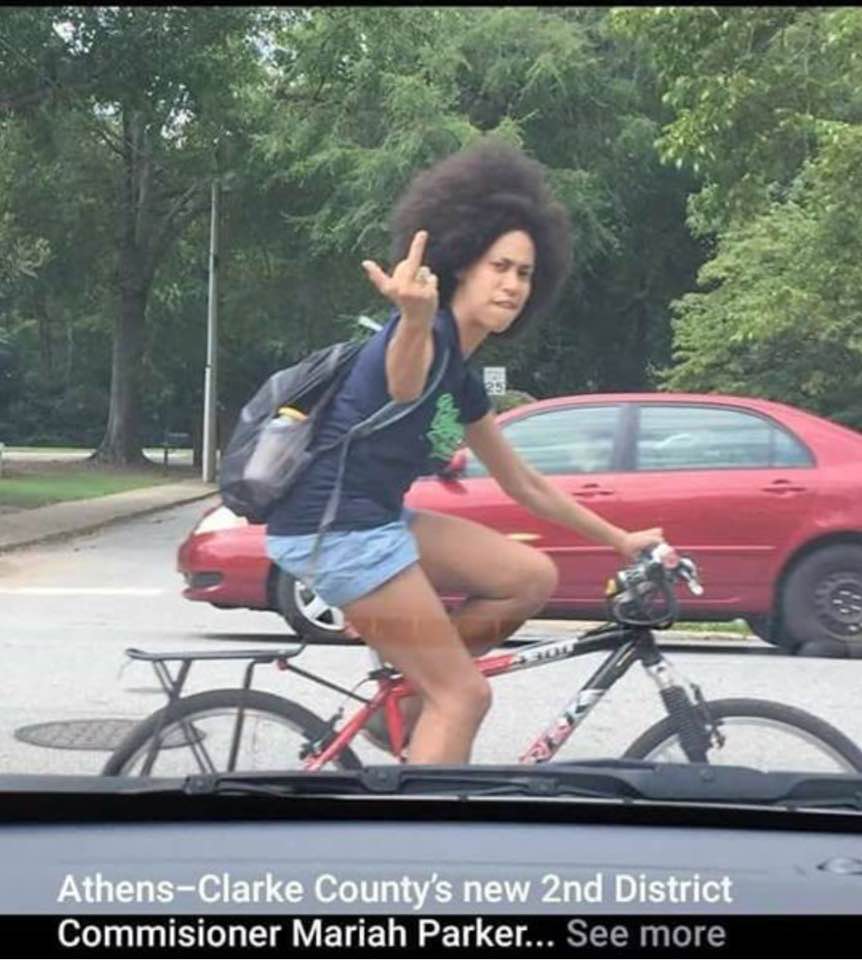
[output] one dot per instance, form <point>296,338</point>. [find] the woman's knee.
<point>466,699</point>
<point>540,581</point>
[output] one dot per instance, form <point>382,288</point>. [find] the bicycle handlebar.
<point>632,592</point>
<point>683,569</point>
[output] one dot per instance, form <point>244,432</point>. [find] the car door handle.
<point>592,490</point>
<point>783,486</point>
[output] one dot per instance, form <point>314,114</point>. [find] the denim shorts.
<point>350,563</point>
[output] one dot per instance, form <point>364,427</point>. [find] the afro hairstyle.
<point>471,198</point>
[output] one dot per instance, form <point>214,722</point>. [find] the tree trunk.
<point>46,351</point>
<point>121,444</point>
<point>145,236</point>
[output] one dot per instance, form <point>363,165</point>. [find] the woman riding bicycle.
<point>481,248</point>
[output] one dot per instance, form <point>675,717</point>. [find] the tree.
<point>767,107</point>
<point>782,313</point>
<point>361,99</point>
<point>154,90</point>
<point>747,87</point>
<point>322,115</point>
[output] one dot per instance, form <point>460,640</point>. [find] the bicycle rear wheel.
<point>195,735</point>
<point>761,734</point>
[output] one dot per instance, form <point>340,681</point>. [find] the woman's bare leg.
<point>505,582</point>
<point>407,624</point>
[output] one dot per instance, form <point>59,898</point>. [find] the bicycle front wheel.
<point>759,734</point>
<point>197,735</point>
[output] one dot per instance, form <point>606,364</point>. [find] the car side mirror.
<point>456,466</point>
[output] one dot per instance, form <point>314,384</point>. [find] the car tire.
<point>821,602</point>
<point>306,613</point>
<point>760,624</point>
<point>769,629</point>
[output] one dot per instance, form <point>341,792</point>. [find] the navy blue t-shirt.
<point>381,467</point>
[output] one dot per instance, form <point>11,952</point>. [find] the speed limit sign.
<point>495,380</point>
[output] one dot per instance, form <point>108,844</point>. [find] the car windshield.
<point>626,478</point>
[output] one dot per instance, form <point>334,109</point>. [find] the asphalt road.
<point>71,609</point>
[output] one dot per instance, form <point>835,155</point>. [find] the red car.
<point>766,497</point>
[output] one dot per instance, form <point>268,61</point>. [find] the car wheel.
<point>762,626</point>
<point>309,615</point>
<point>821,603</point>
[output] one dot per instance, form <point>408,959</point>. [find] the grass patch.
<point>82,450</point>
<point>26,486</point>
<point>722,626</point>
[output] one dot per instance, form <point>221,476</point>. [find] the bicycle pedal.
<point>316,747</point>
<point>313,748</point>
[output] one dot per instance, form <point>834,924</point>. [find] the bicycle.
<point>640,599</point>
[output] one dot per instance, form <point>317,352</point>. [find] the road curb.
<point>12,541</point>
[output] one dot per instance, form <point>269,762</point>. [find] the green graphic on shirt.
<point>446,431</point>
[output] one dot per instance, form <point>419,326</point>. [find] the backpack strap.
<point>395,411</point>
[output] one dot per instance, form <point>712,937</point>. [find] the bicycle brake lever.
<point>684,569</point>
<point>687,572</point>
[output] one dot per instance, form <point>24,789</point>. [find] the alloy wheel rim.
<point>839,603</point>
<point>316,610</point>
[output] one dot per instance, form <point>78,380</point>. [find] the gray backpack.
<point>267,453</point>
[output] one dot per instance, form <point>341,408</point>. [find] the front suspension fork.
<point>696,729</point>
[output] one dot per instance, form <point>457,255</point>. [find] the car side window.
<point>787,451</point>
<point>699,437</point>
<point>568,440</point>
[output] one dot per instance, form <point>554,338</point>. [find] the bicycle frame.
<point>627,645</point>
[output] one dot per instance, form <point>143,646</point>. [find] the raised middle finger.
<point>416,251</point>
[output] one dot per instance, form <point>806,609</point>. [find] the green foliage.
<point>20,256</point>
<point>766,110</point>
<point>114,122</point>
<point>737,125</point>
<point>367,98</point>
<point>782,313</point>
<point>511,399</point>
<point>748,87</point>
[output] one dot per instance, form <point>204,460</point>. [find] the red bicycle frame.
<point>627,645</point>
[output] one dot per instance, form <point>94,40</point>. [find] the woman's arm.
<point>410,351</point>
<point>409,355</point>
<point>541,497</point>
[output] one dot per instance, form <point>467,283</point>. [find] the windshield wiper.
<point>620,780</point>
<point>400,781</point>
<point>623,780</point>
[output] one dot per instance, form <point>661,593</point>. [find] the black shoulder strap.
<point>392,411</point>
<point>395,411</point>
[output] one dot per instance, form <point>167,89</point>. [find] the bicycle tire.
<point>199,706</point>
<point>813,729</point>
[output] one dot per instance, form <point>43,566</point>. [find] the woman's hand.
<point>636,541</point>
<point>412,287</point>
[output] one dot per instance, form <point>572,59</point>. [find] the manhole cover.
<point>106,733</point>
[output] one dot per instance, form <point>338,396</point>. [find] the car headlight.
<point>220,519</point>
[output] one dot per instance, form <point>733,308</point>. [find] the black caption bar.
<point>400,935</point>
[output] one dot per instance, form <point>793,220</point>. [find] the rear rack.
<point>173,685</point>
<point>262,656</point>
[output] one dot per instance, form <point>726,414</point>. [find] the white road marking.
<point>82,591</point>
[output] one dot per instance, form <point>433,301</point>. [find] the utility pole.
<point>210,376</point>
